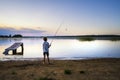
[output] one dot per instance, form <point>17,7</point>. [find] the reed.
<point>115,39</point>
<point>86,39</point>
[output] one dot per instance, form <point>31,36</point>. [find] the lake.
<point>62,48</point>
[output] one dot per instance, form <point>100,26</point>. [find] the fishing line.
<point>56,32</point>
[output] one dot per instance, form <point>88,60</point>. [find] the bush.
<point>67,72</point>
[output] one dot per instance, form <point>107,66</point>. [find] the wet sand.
<point>92,69</point>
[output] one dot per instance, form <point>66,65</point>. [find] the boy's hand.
<point>49,45</point>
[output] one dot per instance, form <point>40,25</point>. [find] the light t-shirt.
<point>46,46</point>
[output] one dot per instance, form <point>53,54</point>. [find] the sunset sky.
<point>43,17</point>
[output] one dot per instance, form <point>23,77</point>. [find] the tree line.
<point>11,36</point>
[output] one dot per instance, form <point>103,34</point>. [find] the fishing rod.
<point>56,31</point>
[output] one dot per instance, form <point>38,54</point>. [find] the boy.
<point>46,47</point>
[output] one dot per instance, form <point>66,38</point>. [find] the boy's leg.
<point>44,59</point>
<point>48,58</point>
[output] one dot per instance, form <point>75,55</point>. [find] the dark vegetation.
<point>67,71</point>
<point>44,78</point>
<point>79,37</point>
<point>82,72</point>
<point>17,35</point>
<point>86,39</point>
<point>10,36</point>
<point>115,38</point>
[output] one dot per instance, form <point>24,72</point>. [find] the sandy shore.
<point>93,69</point>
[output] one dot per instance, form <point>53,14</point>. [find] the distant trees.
<point>17,35</point>
<point>4,36</point>
<point>10,36</point>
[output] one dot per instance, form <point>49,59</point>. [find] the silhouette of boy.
<point>46,47</point>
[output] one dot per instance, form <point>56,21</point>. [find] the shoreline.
<point>55,58</point>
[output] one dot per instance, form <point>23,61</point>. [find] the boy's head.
<point>45,38</point>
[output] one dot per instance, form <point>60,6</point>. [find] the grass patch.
<point>82,72</point>
<point>86,39</point>
<point>44,78</point>
<point>13,73</point>
<point>67,71</point>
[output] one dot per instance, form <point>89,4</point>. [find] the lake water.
<point>62,48</point>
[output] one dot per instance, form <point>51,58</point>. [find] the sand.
<point>92,69</point>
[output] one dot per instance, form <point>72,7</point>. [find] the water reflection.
<point>65,48</point>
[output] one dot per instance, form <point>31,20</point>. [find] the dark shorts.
<point>46,53</point>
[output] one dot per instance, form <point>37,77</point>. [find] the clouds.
<point>23,31</point>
